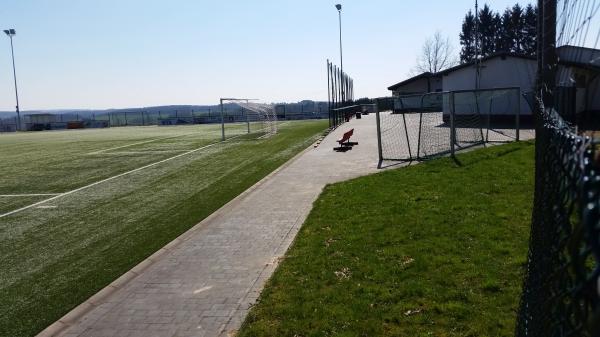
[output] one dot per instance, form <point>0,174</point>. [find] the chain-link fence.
<point>560,296</point>
<point>561,291</point>
<point>417,127</point>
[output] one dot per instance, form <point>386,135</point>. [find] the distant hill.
<point>303,106</point>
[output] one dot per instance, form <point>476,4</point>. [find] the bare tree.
<point>437,54</point>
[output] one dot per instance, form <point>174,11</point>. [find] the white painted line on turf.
<point>139,143</point>
<point>27,195</point>
<point>114,177</point>
<point>46,207</point>
<point>146,152</point>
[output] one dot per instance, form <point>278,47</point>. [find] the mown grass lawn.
<point>435,249</point>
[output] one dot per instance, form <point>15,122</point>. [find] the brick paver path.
<point>203,283</point>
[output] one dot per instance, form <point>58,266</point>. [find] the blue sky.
<point>129,53</point>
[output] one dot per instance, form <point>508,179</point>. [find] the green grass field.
<point>435,249</point>
<point>120,195</point>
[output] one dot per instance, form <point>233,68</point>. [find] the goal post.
<point>252,113</point>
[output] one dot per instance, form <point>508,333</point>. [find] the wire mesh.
<point>394,131</point>
<point>561,290</point>
<point>258,118</point>
<point>417,127</point>
<point>560,295</point>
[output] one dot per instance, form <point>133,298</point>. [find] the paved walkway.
<point>203,283</point>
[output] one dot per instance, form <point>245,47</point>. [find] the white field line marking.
<point>144,152</point>
<point>117,176</point>
<point>157,139</point>
<point>28,195</point>
<point>139,143</point>
<point>109,179</point>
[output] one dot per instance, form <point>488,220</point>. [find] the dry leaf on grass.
<point>343,274</point>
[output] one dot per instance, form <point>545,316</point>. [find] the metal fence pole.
<point>407,139</point>
<point>518,115</point>
<point>489,122</point>
<point>328,96</point>
<point>222,122</point>
<point>479,114</point>
<point>379,149</point>
<point>420,128</point>
<point>247,118</point>
<point>452,130</point>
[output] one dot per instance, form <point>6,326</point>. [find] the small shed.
<point>420,84</point>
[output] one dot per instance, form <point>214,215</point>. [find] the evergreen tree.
<point>517,28</point>
<point>513,31</point>
<point>530,30</point>
<point>499,41</point>
<point>487,33</point>
<point>467,38</point>
<point>506,35</point>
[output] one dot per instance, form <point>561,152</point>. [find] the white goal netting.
<point>260,118</point>
<point>263,115</point>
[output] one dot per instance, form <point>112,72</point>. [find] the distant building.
<point>420,84</point>
<point>578,80</point>
<point>578,84</point>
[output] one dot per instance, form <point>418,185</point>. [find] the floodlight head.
<point>339,7</point>
<point>10,32</point>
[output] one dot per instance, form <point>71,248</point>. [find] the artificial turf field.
<point>80,208</point>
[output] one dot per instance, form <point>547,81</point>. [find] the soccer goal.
<point>258,118</point>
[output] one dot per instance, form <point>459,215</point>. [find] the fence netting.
<point>562,280</point>
<point>416,127</point>
<point>560,295</point>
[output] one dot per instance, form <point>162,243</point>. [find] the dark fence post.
<point>452,130</point>
<point>379,149</point>
<point>518,115</point>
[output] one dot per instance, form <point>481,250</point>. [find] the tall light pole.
<point>11,32</point>
<point>339,8</point>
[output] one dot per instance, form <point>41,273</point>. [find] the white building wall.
<point>496,73</point>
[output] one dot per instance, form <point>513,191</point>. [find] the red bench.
<point>345,143</point>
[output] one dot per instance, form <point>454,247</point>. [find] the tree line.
<point>513,31</point>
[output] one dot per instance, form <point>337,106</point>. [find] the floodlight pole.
<point>11,33</point>
<point>339,8</point>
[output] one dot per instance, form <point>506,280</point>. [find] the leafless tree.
<point>437,54</point>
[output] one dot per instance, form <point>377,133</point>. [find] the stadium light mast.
<point>11,32</point>
<point>339,9</point>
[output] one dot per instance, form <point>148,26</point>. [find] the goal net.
<point>251,117</point>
